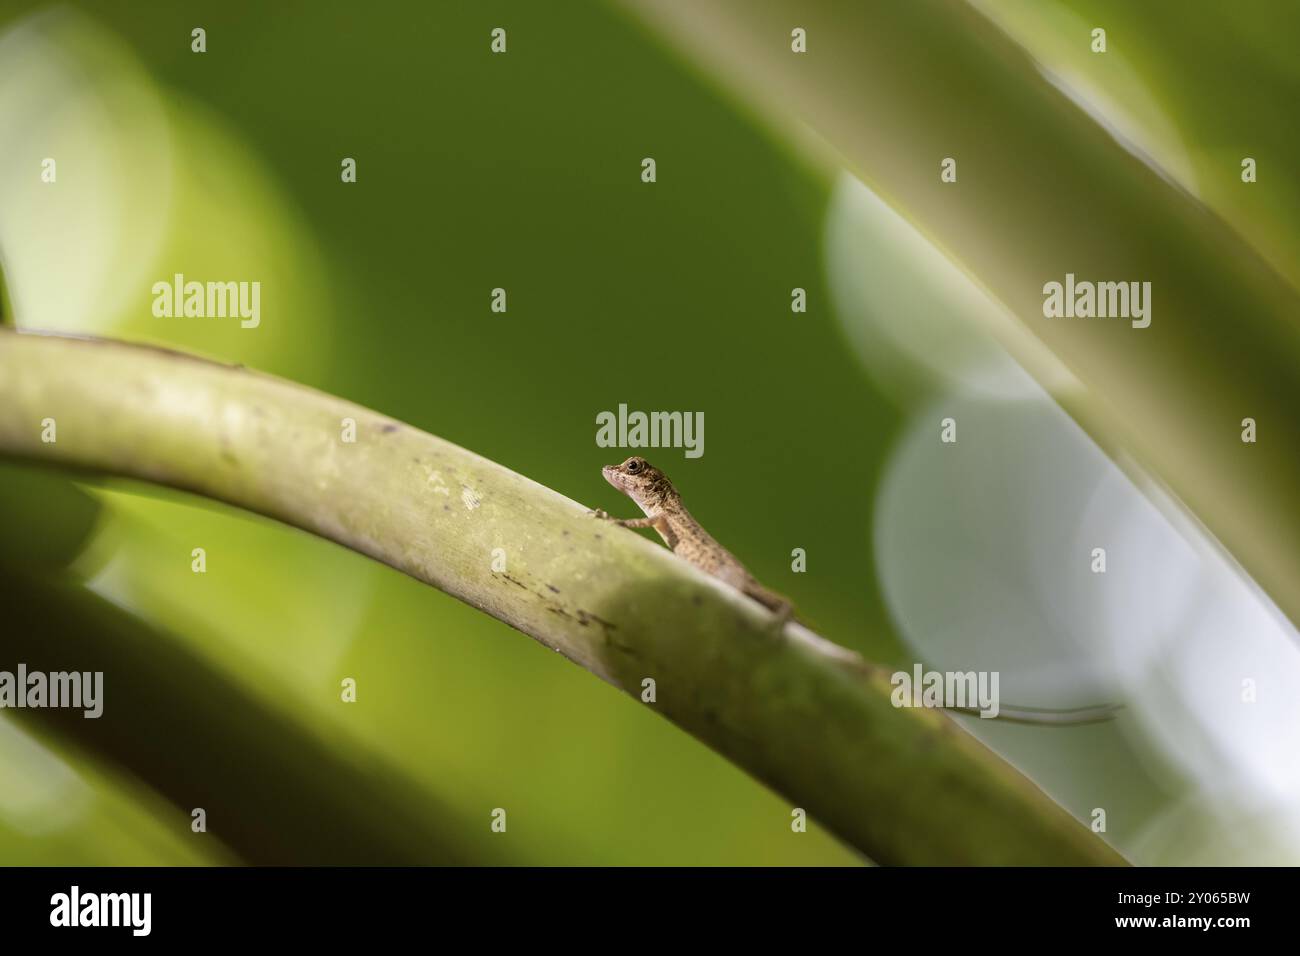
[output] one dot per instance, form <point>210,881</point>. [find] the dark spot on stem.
<point>588,616</point>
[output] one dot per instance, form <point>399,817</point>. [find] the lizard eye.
<point>634,466</point>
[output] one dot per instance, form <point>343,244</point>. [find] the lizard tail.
<point>1059,717</point>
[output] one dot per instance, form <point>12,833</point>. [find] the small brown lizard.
<point>654,493</point>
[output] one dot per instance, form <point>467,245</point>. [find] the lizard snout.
<point>611,474</point>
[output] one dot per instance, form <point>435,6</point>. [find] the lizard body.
<point>654,493</point>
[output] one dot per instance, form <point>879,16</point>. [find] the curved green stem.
<point>798,712</point>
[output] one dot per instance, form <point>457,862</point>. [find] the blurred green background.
<point>475,171</point>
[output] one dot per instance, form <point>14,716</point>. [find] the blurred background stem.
<point>1056,186</point>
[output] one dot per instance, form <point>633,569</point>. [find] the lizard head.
<point>639,480</point>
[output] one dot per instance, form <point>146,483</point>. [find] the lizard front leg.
<point>622,522</point>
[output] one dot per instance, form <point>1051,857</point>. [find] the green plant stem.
<point>798,712</point>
